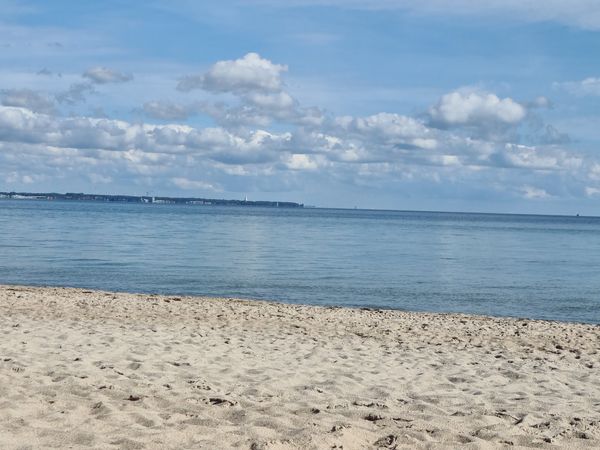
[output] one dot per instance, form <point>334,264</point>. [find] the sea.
<point>528,266</point>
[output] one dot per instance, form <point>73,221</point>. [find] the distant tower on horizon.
<point>245,198</point>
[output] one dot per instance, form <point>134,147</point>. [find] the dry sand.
<point>83,369</point>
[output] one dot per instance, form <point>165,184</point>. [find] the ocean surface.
<point>545,267</point>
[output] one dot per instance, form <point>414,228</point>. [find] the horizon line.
<point>303,205</point>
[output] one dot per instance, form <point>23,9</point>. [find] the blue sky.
<point>474,106</point>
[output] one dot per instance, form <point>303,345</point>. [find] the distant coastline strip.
<point>69,196</point>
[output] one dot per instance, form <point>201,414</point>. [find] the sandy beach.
<point>91,369</point>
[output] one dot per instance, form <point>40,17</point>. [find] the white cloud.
<point>476,109</point>
<point>247,74</point>
<point>27,98</point>
<point>75,94</point>
<point>234,117</point>
<point>264,134</point>
<point>390,128</point>
<point>97,178</point>
<point>185,183</point>
<point>139,143</point>
<point>257,84</point>
<point>592,191</point>
<point>383,138</point>
<point>449,160</point>
<point>533,193</point>
<point>167,110</point>
<point>551,135</point>
<point>587,86</point>
<point>379,137</point>
<point>594,171</point>
<point>15,177</point>
<point>263,109</point>
<point>277,101</point>
<point>298,161</point>
<point>538,158</point>
<point>103,75</point>
<point>540,102</point>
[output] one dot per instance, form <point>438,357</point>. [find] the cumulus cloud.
<point>167,110</point>
<point>363,150</point>
<point>97,178</point>
<point>533,193</point>
<point>27,98</point>
<point>86,133</point>
<point>76,93</point>
<point>263,133</point>
<point>257,83</point>
<point>537,158</point>
<point>476,108</point>
<point>540,102</point>
<point>389,128</point>
<point>383,138</point>
<point>299,161</point>
<point>277,101</point>
<point>243,75</point>
<point>587,86</point>
<point>238,116</point>
<point>103,75</point>
<point>594,171</point>
<point>185,183</point>
<point>551,135</point>
<point>592,191</point>
<point>17,177</point>
<point>263,111</point>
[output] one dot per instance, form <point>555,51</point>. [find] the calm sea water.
<point>508,265</point>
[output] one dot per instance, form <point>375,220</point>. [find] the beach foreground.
<point>90,369</point>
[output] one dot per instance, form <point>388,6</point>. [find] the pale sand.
<point>81,369</point>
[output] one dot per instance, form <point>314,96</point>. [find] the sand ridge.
<point>92,369</point>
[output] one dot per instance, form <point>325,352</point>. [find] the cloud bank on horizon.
<point>134,118</point>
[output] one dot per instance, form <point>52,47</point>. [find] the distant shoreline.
<point>260,203</point>
<point>146,199</point>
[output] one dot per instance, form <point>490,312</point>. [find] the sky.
<point>488,105</point>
